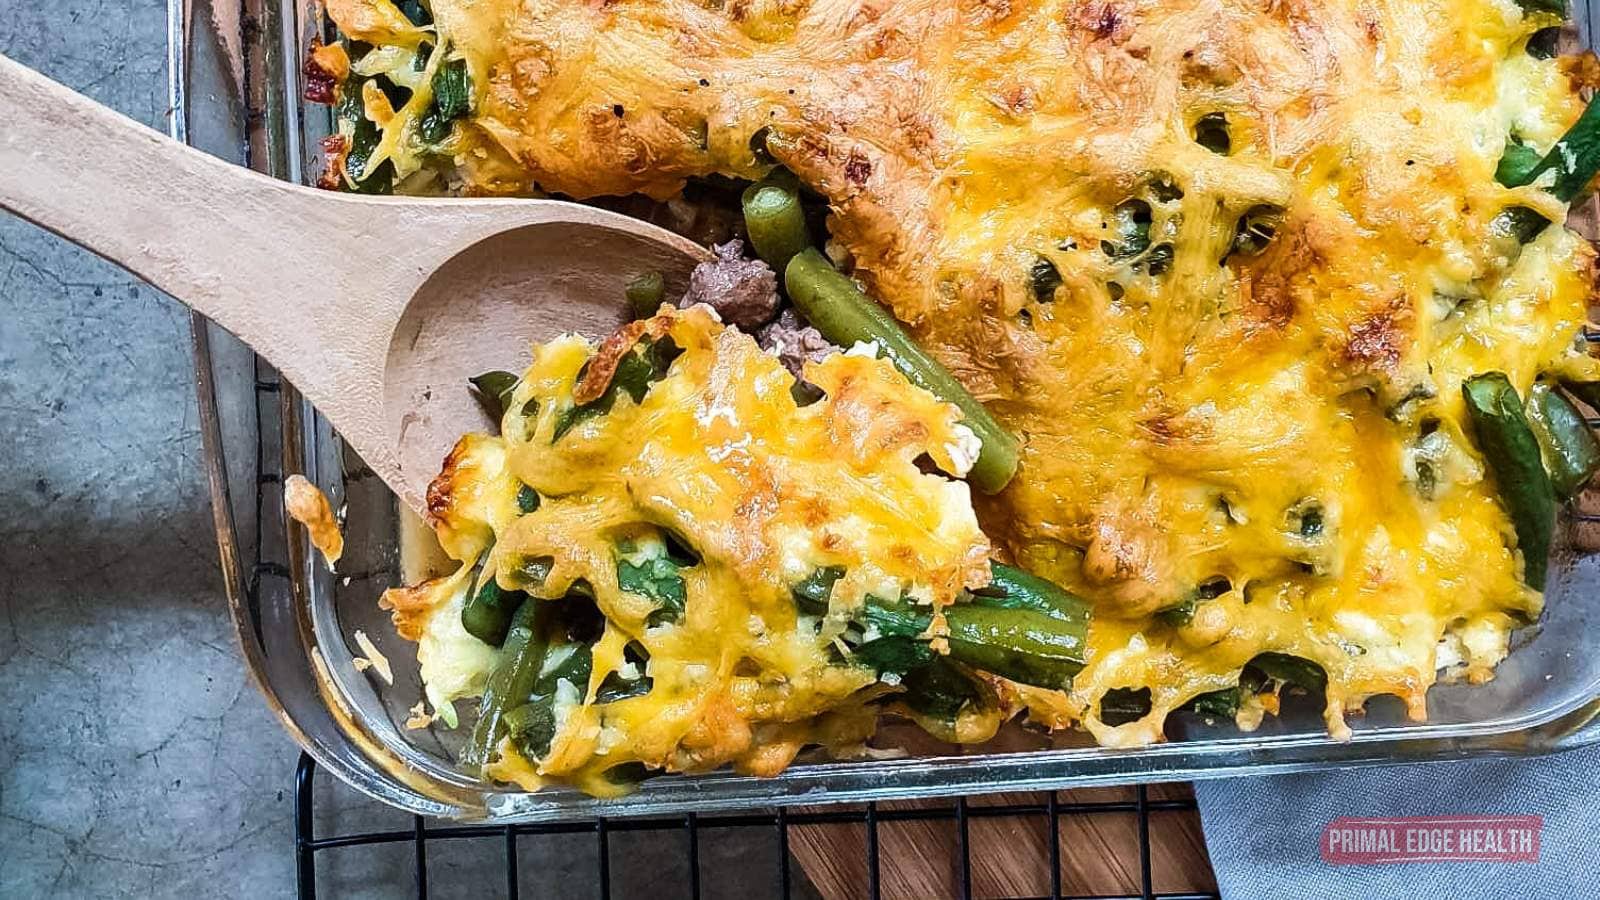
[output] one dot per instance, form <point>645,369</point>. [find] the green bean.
<point>1574,159</point>
<point>510,683</point>
<point>1223,704</point>
<point>487,614</point>
<point>1571,453</point>
<point>493,390</point>
<point>645,294</point>
<point>1545,43</point>
<point>1013,588</point>
<point>1017,644</point>
<point>847,316</point>
<point>942,689</point>
<point>1020,627</point>
<point>775,220</point>
<point>1508,445</point>
<point>1518,224</point>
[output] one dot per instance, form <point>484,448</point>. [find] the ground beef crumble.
<point>744,292</point>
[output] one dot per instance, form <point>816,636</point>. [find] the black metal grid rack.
<point>1048,806</point>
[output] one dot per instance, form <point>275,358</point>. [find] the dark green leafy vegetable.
<point>1119,706</point>
<point>942,689</point>
<point>364,139</point>
<point>661,580</point>
<point>643,365</point>
<point>1555,7</point>
<point>1545,43</point>
<point>493,390</point>
<point>616,687</point>
<point>1574,159</point>
<point>846,316</point>
<point>1257,228</point>
<point>1292,670</point>
<point>452,99</point>
<point>527,499</point>
<point>1131,224</point>
<point>645,294</point>
<point>1571,453</point>
<point>1044,278</point>
<point>812,594</point>
<point>1508,444</point>
<point>1517,165</point>
<point>1211,132</point>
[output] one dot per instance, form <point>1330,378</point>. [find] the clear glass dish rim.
<point>1569,726</point>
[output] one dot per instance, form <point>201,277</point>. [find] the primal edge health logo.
<point>1348,841</point>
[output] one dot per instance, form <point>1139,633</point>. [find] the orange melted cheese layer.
<point>718,454</point>
<point>1180,413</point>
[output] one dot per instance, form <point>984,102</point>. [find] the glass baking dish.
<point>236,93</point>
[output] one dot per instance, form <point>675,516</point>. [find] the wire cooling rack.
<point>776,824</point>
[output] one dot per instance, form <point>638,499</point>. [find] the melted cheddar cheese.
<point>717,454</point>
<point>1274,230</point>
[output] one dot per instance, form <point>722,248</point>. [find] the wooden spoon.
<point>378,309</point>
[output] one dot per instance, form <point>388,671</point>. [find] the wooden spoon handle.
<point>184,221</point>
<point>312,280</point>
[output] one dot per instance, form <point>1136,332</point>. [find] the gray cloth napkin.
<point>1265,833</point>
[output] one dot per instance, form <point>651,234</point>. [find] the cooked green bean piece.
<point>510,683</point>
<point>1020,627</point>
<point>487,614</point>
<point>493,390</point>
<point>895,629</point>
<point>1223,704</point>
<point>1519,224</point>
<point>1575,158</point>
<point>1571,452</point>
<point>847,316</point>
<point>1013,588</point>
<point>1024,646</point>
<point>1508,445</point>
<point>645,294</point>
<point>1256,229</point>
<point>942,689</point>
<point>775,219</point>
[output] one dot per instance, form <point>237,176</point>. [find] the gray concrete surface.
<point>136,759</point>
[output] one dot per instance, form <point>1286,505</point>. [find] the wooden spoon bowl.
<point>378,309</point>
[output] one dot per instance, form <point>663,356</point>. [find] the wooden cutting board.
<point>1010,855</point>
